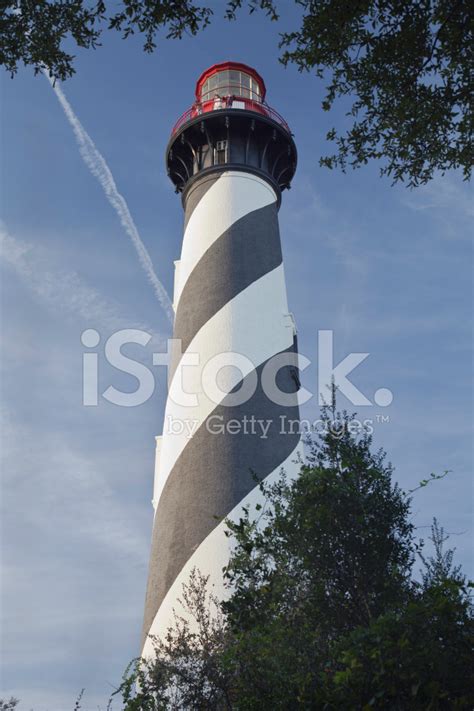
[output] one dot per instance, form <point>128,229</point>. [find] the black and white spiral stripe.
<point>230,296</point>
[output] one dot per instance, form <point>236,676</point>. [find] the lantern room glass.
<point>230,83</point>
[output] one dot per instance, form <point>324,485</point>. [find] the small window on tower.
<point>220,153</point>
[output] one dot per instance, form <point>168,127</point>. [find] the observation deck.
<point>231,101</point>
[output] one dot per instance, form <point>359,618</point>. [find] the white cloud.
<point>443,193</point>
<point>66,482</point>
<point>74,570</point>
<point>63,289</point>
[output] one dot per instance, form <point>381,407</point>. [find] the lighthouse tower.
<point>232,408</point>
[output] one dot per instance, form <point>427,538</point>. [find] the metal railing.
<point>229,102</point>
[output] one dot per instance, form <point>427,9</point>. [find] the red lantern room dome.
<point>230,85</point>
<point>231,127</point>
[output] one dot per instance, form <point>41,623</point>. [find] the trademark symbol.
<point>382,419</point>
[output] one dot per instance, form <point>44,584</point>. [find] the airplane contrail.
<point>99,169</point>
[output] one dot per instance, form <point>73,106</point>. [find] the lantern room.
<point>230,80</point>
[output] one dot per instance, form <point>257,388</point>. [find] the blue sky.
<point>387,269</point>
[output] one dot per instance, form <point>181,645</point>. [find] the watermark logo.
<point>228,378</point>
<point>262,428</point>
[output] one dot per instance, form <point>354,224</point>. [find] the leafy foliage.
<point>323,610</point>
<point>9,705</point>
<point>406,66</point>
<point>177,16</point>
<point>35,32</point>
<point>403,67</point>
<point>419,658</point>
<point>190,670</point>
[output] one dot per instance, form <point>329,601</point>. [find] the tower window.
<point>220,153</point>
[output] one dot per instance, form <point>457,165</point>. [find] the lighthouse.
<point>232,410</point>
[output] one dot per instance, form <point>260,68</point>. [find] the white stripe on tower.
<point>230,298</point>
